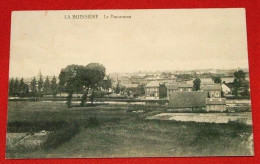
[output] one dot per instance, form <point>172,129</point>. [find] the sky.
<point>151,40</point>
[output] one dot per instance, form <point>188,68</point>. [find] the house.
<point>171,89</point>
<point>225,89</point>
<point>152,90</point>
<point>216,104</point>
<point>207,81</point>
<point>178,87</point>
<point>185,87</point>
<point>214,91</point>
<point>196,100</point>
<point>188,100</point>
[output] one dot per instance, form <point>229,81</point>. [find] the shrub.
<point>238,128</point>
<point>61,136</point>
<point>34,126</point>
<point>92,122</point>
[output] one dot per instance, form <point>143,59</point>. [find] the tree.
<point>240,75</point>
<point>11,87</point>
<point>239,81</point>
<point>46,86</point>
<point>107,83</point>
<point>16,87</point>
<point>122,88</point>
<point>54,86</point>
<point>93,77</point>
<point>245,91</point>
<point>235,91</point>
<point>184,76</point>
<point>196,84</point>
<point>166,74</point>
<point>71,78</point>
<point>217,80</point>
<point>162,91</point>
<point>40,85</point>
<point>33,87</point>
<point>141,89</point>
<point>117,89</point>
<point>23,89</point>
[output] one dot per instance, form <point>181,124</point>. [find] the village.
<point>136,103</point>
<point>165,83</point>
<point>201,90</point>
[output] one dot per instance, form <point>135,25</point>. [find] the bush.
<point>92,122</point>
<point>34,126</point>
<point>238,128</point>
<point>61,136</point>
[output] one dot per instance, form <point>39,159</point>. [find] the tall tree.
<point>141,89</point>
<point>93,78</point>
<point>11,87</point>
<point>239,81</point>
<point>162,91</point>
<point>117,89</point>
<point>245,91</point>
<point>240,75</point>
<point>16,87</point>
<point>71,78</point>
<point>107,83</point>
<point>40,85</point>
<point>196,84</point>
<point>23,89</point>
<point>46,86</point>
<point>33,87</point>
<point>54,86</point>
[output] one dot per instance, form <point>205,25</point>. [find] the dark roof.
<point>178,85</point>
<point>211,87</point>
<point>187,99</point>
<point>216,101</point>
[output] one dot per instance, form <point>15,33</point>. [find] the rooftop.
<point>153,84</point>
<point>175,86</point>
<point>211,87</point>
<point>187,99</point>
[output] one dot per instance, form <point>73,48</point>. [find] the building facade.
<point>214,91</point>
<point>178,87</point>
<point>216,104</point>
<point>225,89</point>
<point>196,100</point>
<point>152,90</point>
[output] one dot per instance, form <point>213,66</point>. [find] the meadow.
<point>121,131</point>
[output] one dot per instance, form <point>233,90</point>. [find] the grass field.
<point>116,131</point>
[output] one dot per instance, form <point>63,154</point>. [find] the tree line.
<point>18,88</point>
<point>72,79</point>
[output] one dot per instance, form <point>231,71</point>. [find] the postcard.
<point>129,83</point>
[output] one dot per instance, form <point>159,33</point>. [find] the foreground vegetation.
<point>122,131</point>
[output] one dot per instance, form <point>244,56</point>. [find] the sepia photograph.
<point>129,83</point>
